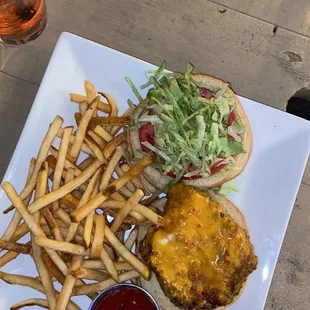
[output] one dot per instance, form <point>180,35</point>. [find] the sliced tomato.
<point>217,167</point>
<point>191,168</point>
<point>146,133</point>
<point>231,118</point>
<point>206,93</point>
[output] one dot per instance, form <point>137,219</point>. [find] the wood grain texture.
<point>260,64</point>
<point>306,177</point>
<point>16,98</point>
<point>290,285</point>
<point>292,15</point>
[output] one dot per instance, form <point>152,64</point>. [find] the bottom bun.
<point>164,303</point>
<point>153,286</point>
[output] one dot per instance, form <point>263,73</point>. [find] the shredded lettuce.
<point>227,188</point>
<point>189,130</point>
<point>134,88</point>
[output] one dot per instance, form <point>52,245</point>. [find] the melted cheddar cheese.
<point>201,254</point>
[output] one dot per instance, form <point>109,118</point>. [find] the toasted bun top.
<point>159,181</point>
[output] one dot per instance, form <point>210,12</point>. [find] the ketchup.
<point>125,298</point>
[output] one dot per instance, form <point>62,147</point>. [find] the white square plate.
<point>269,184</point>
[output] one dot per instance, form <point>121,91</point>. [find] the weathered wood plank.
<point>306,177</point>
<point>260,64</point>
<point>15,101</point>
<point>290,285</point>
<point>29,61</point>
<point>292,15</point>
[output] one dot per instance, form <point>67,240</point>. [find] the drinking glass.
<point>21,21</point>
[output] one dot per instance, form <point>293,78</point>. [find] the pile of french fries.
<point>66,204</point>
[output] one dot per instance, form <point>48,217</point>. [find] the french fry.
<point>70,175</point>
<point>125,210</point>
<point>41,303</point>
<point>89,222</point>
<point>83,106</point>
<point>112,103</point>
<point>141,209</point>
<point>98,264</point>
<point>89,274</point>
<point>117,196</point>
<point>90,91</point>
<point>86,196</point>
<point>22,280</point>
<point>90,94</point>
<point>69,201</point>
<point>36,250</point>
<point>95,149</point>
<point>88,227</point>
<point>126,255</point>
<point>97,243</point>
<point>100,142</point>
<point>65,189</point>
<point>15,247</point>
<point>86,162</point>
<point>120,172</point>
<point>106,136</point>
<point>30,282</point>
<point>116,129</point>
<point>84,176</point>
<point>99,286</point>
<point>40,191</point>
<point>80,98</point>
<point>109,121</point>
<point>132,238</point>
<point>31,302</point>
<point>53,269</point>
<point>63,216</point>
<point>107,174</point>
<point>61,157</point>
<point>59,245</point>
<point>109,264</point>
<point>58,236</point>
<point>21,231</point>
<point>52,223</point>
<point>84,148</point>
<point>20,207</point>
<point>45,276</point>
<point>64,296</point>
<point>7,257</point>
<point>80,133</point>
<point>67,163</point>
<point>42,154</point>
<point>135,181</point>
<point>16,219</point>
<point>95,202</point>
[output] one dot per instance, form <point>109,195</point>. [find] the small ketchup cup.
<point>124,296</point>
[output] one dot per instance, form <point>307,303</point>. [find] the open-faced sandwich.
<point>202,256</point>
<point>196,126</point>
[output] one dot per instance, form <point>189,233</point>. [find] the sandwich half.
<point>197,127</point>
<point>202,256</point>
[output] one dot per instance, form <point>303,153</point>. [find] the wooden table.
<point>262,47</point>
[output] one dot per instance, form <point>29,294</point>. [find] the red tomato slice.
<point>146,133</point>
<point>191,168</point>
<point>231,118</point>
<point>217,167</point>
<point>206,93</point>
